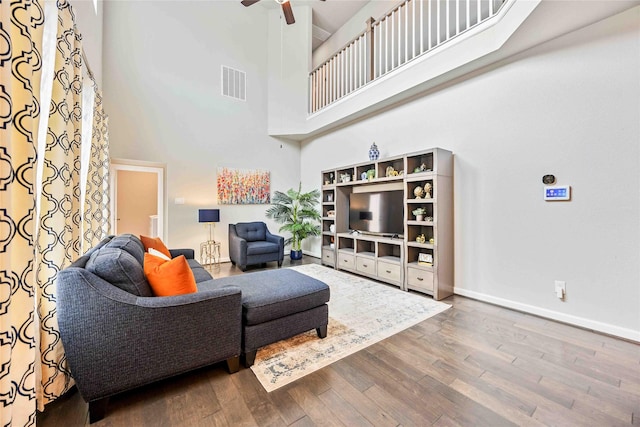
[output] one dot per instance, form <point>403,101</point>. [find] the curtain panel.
<point>41,216</point>
<point>58,237</point>
<point>20,69</point>
<point>97,200</point>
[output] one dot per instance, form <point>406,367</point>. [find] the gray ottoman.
<point>278,304</point>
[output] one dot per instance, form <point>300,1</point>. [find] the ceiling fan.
<point>286,8</point>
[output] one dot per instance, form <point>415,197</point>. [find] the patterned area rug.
<point>361,312</point>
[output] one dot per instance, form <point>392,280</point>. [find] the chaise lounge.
<point>118,336</point>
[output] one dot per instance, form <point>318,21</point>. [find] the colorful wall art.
<point>243,186</point>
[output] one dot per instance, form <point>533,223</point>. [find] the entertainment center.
<point>392,220</point>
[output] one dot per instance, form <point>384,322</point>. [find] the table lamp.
<point>209,217</point>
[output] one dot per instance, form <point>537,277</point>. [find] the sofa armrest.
<point>115,341</point>
<point>188,253</point>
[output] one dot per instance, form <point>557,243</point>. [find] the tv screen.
<point>378,212</point>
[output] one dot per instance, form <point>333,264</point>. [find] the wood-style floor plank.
<point>475,364</point>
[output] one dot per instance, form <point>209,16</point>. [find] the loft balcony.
<point>414,48</point>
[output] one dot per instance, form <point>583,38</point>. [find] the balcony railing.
<point>411,29</point>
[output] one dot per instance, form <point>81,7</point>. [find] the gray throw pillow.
<point>121,269</point>
<point>129,243</point>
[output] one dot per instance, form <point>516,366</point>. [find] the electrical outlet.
<point>560,288</point>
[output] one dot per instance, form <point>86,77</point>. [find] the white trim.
<point>124,165</point>
<point>582,322</point>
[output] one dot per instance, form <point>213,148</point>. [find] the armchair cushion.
<point>261,247</point>
<point>252,231</point>
<point>121,269</point>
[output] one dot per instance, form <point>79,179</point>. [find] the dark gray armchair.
<point>251,243</point>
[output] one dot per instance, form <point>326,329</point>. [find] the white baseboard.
<point>582,322</point>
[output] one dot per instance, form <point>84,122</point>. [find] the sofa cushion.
<point>129,243</point>
<point>263,247</point>
<point>155,243</point>
<point>121,269</point>
<point>168,278</point>
<point>251,231</point>
<point>199,272</point>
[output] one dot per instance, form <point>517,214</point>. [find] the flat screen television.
<point>377,212</point>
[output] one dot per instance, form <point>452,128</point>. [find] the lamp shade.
<point>208,215</point>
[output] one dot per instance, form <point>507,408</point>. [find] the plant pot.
<point>419,217</point>
<point>295,255</point>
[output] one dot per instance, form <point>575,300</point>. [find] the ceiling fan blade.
<point>248,3</point>
<point>288,13</point>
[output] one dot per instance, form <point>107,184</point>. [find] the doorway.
<point>137,198</point>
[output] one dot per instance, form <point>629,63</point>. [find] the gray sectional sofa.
<point>117,336</point>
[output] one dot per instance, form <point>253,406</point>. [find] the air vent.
<point>234,83</point>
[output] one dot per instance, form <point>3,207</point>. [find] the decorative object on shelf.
<point>331,178</point>
<point>297,211</point>
<point>390,171</point>
<point>330,197</point>
<point>243,186</point>
<point>363,176</point>
<point>327,182</point>
<point>374,153</point>
<point>345,177</point>
<point>432,240</point>
<point>419,213</point>
<point>421,238</point>
<point>371,173</point>
<point>418,192</point>
<point>332,228</point>
<point>421,168</point>
<point>427,190</point>
<point>425,259</point>
<point>331,213</point>
<point>428,218</point>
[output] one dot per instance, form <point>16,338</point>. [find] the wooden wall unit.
<point>394,260</point>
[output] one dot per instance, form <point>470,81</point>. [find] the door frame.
<point>137,166</point>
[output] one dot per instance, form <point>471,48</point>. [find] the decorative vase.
<point>419,217</point>
<point>295,255</point>
<point>374,153</point>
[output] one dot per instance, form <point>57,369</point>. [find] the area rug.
<point>361,313</point>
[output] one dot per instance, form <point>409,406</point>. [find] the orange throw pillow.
<point>168,278</point>
<point>155,243</point>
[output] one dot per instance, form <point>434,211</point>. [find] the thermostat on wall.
<point>558,192</point>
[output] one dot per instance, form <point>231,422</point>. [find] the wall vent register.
<point>234,83</point>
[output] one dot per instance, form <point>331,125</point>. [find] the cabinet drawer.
<point>389,271</point>
<point>328,257</point>
<point>346,261</point>
<point>366,265</point>
<point>420,279</point>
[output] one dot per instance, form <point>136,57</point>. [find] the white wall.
<point>569,107</point>
<point>162,65</point>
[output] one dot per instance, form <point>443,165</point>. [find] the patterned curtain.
<point>58,238</point>
<point>97,201</point>
<point>21,25</point>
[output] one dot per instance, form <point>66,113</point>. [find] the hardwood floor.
<point>475,364</point>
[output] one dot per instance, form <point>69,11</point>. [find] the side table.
<point>210,253</point>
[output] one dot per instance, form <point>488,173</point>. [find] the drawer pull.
<point>364,265</point>
<point>388,271</point>
<point>420,278</point>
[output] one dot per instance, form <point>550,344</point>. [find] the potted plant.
<point>419,213</point>
<point>296,210</point>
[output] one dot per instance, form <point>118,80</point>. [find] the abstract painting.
<point>243,186</point>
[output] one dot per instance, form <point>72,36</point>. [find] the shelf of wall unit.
<point>394,260</point>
